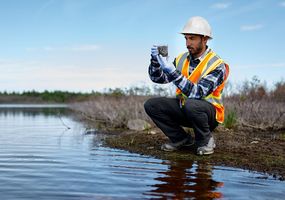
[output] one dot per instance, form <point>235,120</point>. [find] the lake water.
<point>40,158</point>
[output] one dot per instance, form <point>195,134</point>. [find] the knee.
<point>151,105</point>
<point>192,108</point>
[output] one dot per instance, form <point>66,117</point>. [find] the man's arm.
<point>204,87</point>
<point>155,72</point>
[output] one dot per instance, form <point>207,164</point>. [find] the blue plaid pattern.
<point>196,91</point>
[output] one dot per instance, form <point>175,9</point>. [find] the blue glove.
<point>154,51</point>
<point>167,67</point>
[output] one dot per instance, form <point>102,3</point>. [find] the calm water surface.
<point>41,159</point>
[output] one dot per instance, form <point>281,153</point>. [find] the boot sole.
<point>201,153</point>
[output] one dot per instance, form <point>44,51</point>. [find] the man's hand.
<point>154,51</point>
<point>167,67</point>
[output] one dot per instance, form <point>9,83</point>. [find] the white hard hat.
<point>197,25</point>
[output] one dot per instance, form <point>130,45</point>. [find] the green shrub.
<point>230,119</point>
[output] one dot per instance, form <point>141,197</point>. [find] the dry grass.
<point>113,112</point>
<point>253,107</point>
<point>258,108</point>
<point>263,114</point>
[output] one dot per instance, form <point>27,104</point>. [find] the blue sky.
<point>84,45</point>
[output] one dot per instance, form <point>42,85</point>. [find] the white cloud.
<point>253,27</point>
<point>12,67</point>
<point>81,48</point>
<point>2,61</point>
<point>64,68</point>
<point>282,4</point>
<point>221,5</point>
<point>98,78</point>
<point>24,75</point>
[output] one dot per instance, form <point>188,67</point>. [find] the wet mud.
<point>242,148</point>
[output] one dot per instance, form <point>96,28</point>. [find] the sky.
<point>89,45</point>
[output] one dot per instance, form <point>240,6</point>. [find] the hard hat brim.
<point>210,37</point>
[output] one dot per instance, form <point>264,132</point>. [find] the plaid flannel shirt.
<point>196,91</point>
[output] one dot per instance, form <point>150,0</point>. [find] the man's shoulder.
<point>217,55</point>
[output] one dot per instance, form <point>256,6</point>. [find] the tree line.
<point>59,96</point>
<point>246,90</point>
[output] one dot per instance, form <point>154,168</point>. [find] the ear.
<point>205,39</point>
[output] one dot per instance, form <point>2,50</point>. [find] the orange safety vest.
<point>206,65</point>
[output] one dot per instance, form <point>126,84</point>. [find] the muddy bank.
<point>250,146</point>
<point>243,148</point>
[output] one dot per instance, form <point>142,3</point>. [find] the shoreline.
<point>234,149</point>
<point>249,138</point>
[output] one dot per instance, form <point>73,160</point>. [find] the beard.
<point>196,51</point>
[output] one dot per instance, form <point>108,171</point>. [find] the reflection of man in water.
<point>182,180</point>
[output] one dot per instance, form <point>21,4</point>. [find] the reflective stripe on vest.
<point>181,59</point>
<point>208,64</point>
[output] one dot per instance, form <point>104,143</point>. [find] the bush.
<point>279,92</point>
<point>230,119</point>
<point>112,111</point>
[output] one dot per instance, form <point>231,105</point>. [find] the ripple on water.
<point>41,159</point>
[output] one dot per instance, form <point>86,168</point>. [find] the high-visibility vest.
<point>206,65</point>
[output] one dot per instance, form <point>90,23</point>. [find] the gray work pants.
<point>169,117</point>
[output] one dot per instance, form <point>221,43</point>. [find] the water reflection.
<point>40,158</point>
<point>187,180</point>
